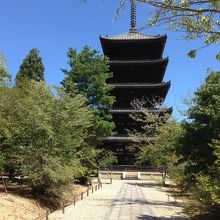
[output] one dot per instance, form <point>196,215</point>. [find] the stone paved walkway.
<point>124,200</point>
<point>130,204</point>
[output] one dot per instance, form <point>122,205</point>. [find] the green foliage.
<point>198,19</point>
<point>71,122</point>
<point>87,158</point>
<point>206,104</point>
<point>32,67</point>
<point>106,158</point>
<point>49,139</point>
<point>207,188</point>
<point>190,150</point>
<point>218,56</point>
<point>41,133</point>
<point>2,162</point>
<point>207,191</point>
<point>5,77</point>
<point>159,151</point>
<point>200,146</point>
<point>194,19</point>
<point>192,54</point>
<point>162,151</point>
<point>203,126</point>
<point>88,74</point>
<point>46,174</point>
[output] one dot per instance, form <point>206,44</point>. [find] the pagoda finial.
<point>133,16</point>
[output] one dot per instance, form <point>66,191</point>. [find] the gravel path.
<point>123,200</point>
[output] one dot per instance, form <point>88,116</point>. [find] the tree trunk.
<point>5,187</point>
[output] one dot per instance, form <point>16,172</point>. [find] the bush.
<point>207,191</point>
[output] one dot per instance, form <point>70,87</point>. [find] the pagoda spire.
<point>133,16</point>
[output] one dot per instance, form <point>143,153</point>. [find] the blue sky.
<point>53,26</point>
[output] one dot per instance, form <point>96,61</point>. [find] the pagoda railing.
<point>133,110</point>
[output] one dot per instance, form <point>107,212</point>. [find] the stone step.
<point>131,178</point>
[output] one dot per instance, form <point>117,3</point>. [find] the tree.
<point>162,152</point>
<point>202,127</point>
<point>208,185</point>
<point>197,19</point>
<point>48,130</point>
<point>88,74</point>
<point>5,77</point>
<point>152,124</point>
<point>32,67</point>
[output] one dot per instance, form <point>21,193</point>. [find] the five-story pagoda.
<point>138,70</point>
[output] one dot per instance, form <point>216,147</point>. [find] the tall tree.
<point>88,74</point>
<point>5,76</point>
<point>202,126</point>
<point>32,67</point>
<point>5,79</point>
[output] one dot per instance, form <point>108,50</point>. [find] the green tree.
<point>47,130</point>
<point>5,77</point>
<point>198,145</point>
<point>153,124</point>
<point>32,67</point>
<point>88,74</point>
<point>202,127</point>
<point>162,151</point>
<point>195,19</point>
<point>207,189</point>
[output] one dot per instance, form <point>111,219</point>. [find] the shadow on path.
<point>144,184</point>
<point>148,217</point>
<point>144,202</point>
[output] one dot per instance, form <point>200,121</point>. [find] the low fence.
<point>76,198</point>
<point>132,168</point>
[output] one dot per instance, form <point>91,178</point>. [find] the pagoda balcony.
<point>128,139</point>
<point>133,45</point>
<point>141,85</point>
<point>126,93</point>
<point>143,110</point>
<point>139,61</point>
<point>125,121</point>
<point>138,71</point>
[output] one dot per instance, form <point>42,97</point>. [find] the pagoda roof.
<point>133,36</point>
<point>142,62</point>
<point>133,44</point>
<point>130,110</point>
<point>125,138</point>
<point>140,85</point>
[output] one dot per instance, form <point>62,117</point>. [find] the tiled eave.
<point>133,36</point>
<point>142,62</point>
<point>140,85</point>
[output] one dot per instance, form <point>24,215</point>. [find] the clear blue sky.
<point>53,26</point>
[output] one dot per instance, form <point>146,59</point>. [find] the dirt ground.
<point>18,204</point>
<point>16,207</point>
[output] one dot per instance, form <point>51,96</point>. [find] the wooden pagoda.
<point>138,70</point>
